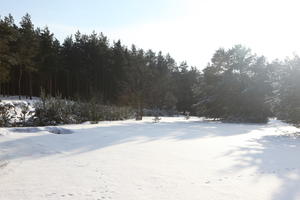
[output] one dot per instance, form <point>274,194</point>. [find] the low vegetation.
<point>56,111</point>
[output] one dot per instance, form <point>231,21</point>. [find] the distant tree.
<point>234,87</point>
<point>89,67</point>
<point>137,81</point>
<point>287,99</point>
<point>184,81</point>
<point>160,67</point>
<point>26,53</point>
<point>8,36</point>
<point>118,67</point>
<point>169,101</point>
<point>48,61</point>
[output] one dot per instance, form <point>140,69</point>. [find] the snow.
<point>15,99</point>
<point>141,160</point>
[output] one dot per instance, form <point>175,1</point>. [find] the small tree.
<point>25,112</point>
<point>156,118</point>
<point>187,115</point>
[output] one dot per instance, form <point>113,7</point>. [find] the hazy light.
<point>267,27</point>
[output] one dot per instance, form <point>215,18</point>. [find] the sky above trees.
<point>189,30</point>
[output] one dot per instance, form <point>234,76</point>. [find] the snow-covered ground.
<point>173,159</point>
<point>15,99</point>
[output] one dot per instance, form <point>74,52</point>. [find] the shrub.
<point>25,112</point>
<point>6,114</point>
<point>187,115</point>
<point>156,119</point>
<point>54,111</point>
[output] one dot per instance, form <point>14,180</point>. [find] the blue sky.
<point>189,30</point>
<point>92,13</point>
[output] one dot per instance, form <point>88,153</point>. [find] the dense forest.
<point>236,86</point>
<point>89,66</point>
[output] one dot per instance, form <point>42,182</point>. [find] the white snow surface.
<point>175,159</point>
<point>15,99</point>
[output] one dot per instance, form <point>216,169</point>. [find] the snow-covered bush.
<point>25,112</point>
<point>15,113</point>
<point>156,119</point>
<point>54,111</point>
<point>187,115</point>
<point>6,115</point>
<point>97,112</point>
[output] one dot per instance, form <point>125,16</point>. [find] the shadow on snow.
<point>278,155</point>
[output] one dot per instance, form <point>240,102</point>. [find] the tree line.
<point>89,66</point>
<point>236,86</point>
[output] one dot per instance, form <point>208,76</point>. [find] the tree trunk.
<point>30,85</point>
<point>139,114</point>
<point>50,86</point>
<point>19,82</point>
<point>68,86</point>
<point>55,85</point>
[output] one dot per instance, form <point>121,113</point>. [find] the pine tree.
<point>27,51</point>
<point>48,61</point>
<point>8,36</point>
<point>234,87</point>
<point>288,91</point>
<point>137,81</point>
<point>88,66</point>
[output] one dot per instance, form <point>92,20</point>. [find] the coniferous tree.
<point>234,87</point>
<point>48,61</point>
<point>26,53</point>
<point>287,99</point>
<point>137,81</point>
<point>88,67</point>
<point>8,37</point>
<point>185,80</point>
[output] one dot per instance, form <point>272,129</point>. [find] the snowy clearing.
<point>173,159</point>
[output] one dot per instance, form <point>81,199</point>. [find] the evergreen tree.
<point>185,80</point>
<point>137,81</point>
<point>89,67</point>
<point>234,87</point>
<point>288,91</point>
<point>26,53</point>
<point>8,37</point>
<point>48,61</point>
